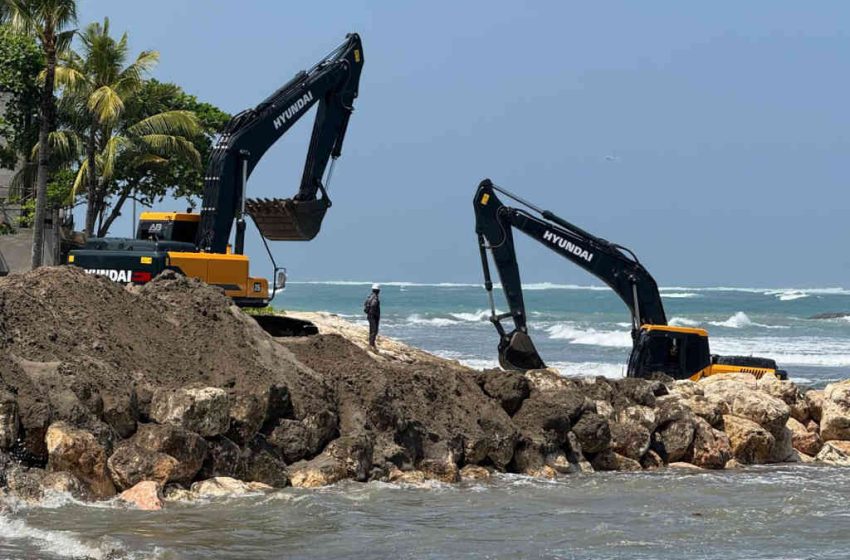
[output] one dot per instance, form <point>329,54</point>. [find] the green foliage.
<point>21,61</point>
<point>181,178</point>
<point>267,310</point>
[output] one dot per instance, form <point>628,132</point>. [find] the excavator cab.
<point>288,219</point>
<point>679,352</point>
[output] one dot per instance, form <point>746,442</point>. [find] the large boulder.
<point>765,410</point>
<point>65,483</point>
<point>711,447</point>
<point>630,439</point>
<point>675,430</point>
<point>223,486</point>
<point>303,439</point>
<point>709,409</point>
<point>593,432</point>
<point>814,402</point>
<point>510,388</point>
<point>224,458</point>
<point>751,443</point>
<point>9,420</point>
<point>247,415</point>
<point>262,463</point>
<point>131,464</point>
<point>608,460</point>
<point>205,411</point>
<point>345,457</point>
<point>835,453</point>
<point>835,419</point>
<point>783,448</point>
<point>187,447</point>
<point>146,496</point>
<point>802,439</point>
<point>121,411</point>
<point>78,452</point>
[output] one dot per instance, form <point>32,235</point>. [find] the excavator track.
<point>281,326</point>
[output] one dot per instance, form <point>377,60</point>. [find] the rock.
<point>673,439</point>
<point>530,456</point>
<point>710,410</point>
<point>131,464</point>
<point>224,458</point>
<point>549,412</point>
<point>25,483</point>
<point>641,415</point>
<point>682,465</point>
<point>608,460</point>
<point>262,463</point>
<point>495,445</point>
<point>593,432</point>
<point>405,477</point>
<point>222,486</point>
<point>9,420</point>
<point>297,440</point>
<point>559,462</point>
<point>711,447</point>
<point>78,452</point>
<point>146,496</point>
<point>802,439</point>
<point>814,400</point>
<point>205,411</point>
<point>474,472</point>
<point>835,453</point>
<point>247,415</point>
<point>604,409</point>
<point>802,458</point>
<point>751,444</point>
<point>510,388</point>
<point>651,460</point>
<point>630,439</point>
<point>176,493</point>
<point>121,412</point>
<point>65,483</point>
<point>34,420</point>
<point>636,391</point>
<point>783,448</point>
<point>440,463</point>
<point>733,463</point>
<point>765,410</point>
<point>187,447</point>
<point>345,457</point>
<point>835,416</point>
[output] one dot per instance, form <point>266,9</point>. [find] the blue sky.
<point>710,138</point>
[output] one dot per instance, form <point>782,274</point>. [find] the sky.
<point>710,138</point>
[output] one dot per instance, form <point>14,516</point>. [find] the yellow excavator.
<point>680,352</point>
<point>198,244</point>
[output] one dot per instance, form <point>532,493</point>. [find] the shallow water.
<point>765,513</point>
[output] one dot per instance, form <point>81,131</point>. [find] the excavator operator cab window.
<point>168,230</point>
<point>678,355</point>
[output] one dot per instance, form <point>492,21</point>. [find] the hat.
<point>376,287</point>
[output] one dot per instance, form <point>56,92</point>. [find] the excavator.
<point>198,244</point>
<point>679,352</point>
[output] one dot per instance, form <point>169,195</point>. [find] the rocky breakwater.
<point>170,392</point>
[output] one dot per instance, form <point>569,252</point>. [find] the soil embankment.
<point>106,389</point>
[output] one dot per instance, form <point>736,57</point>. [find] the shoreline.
<point>168,392</point>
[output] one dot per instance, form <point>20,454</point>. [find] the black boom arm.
<point>332,84</point>
<point>616,266</point>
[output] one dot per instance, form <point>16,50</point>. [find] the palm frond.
<point>166,145</point>
<point>80,180</point>
<point>110,153</point>
<point>183,123</point>
<point>105,104</point>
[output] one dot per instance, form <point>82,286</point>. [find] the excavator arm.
<point>614,265</point>
<point>332,84</point>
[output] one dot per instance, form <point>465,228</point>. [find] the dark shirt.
<point>372,307</point>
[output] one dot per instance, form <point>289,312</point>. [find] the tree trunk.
<point>116,211</point>
<point>91,206</point>
<point>46,111</point>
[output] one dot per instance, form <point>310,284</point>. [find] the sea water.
<point>767,512</point>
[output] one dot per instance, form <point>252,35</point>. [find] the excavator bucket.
<point>287,219</point>
<point>517,352</point>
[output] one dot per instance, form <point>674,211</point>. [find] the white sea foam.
<point>567,369</point>
<point>417,319</point>
<point>680,295</point>
<point>480,315</point>
<point>590,336</point>
<point>58,543</point>
<point>683,322</point>
<point>741,320</point>
<point>791,351</point>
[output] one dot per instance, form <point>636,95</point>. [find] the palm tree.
<point>99,84</point>
<point>48,21</point>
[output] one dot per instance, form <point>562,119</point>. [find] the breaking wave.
<point>590,336</point>
<point>741,320</point>
<point>417,319</point>
<point>683,322</point>
<point>796,351</point>
<point>56,543</point>
<point>480,315</point>
<point>680,295</point>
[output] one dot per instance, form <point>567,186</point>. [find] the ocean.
<point>584,330</point>
<point>768,512</point>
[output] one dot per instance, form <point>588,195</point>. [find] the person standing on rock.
<point>372,309</point>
